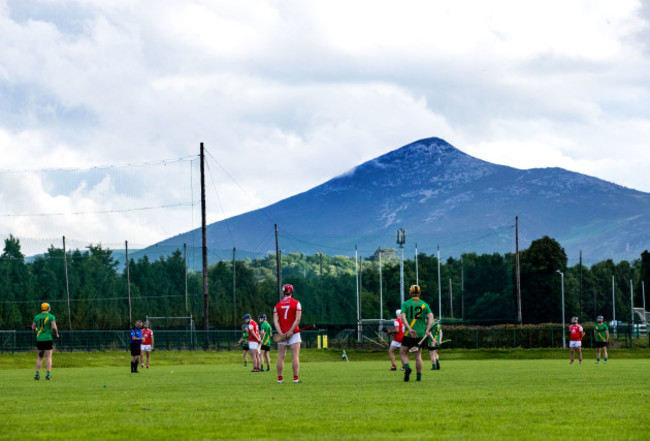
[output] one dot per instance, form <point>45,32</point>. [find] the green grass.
<point>202,395</point>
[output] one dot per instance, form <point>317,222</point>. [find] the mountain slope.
<point>442,196</point>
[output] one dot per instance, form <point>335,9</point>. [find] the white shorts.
<point>253,345</point>
<point>145,348</point>
<point>295,338</point>
<point>396,344</point>
<point>575,344</point>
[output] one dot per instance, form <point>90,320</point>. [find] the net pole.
<point>67,284</point>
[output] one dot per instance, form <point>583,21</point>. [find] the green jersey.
<point>244,336</point>
<point>601,332</point>
<point>44,326</point>
<point>268,332</point>
<point>435,332</point>
<point>417,312</point>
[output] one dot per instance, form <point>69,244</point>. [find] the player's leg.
<point>148,356</point>
<point>418,364</point>
<point>437,357</point>
<point>295,361</point>
<point>579,354</point>
<point>245,352</point>
<point>572,350</point>
<point>142,358</point>
<point>597,354</point>
<point>403,355</point>
<point>605,352</point>
<point>282,351</point>
<point>39,363</point>
<point>48,364</point>
<point>391,355</point>
<point>267,355</point>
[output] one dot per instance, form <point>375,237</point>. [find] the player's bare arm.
<point>295,323</point>
<point>55,329</point>
<point>409,330</point>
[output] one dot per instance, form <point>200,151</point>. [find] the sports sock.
<point>605,360</point>
<point>418,376</point>
<point>438,364</point>
<point>433,366</point>
<point>38,373</point>
<point>48,373</point>
<point>280,378</point>
<point>131,365</point>
<point>295,377</point>
<point>407,366</point>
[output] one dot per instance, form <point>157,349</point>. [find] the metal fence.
<point>340,337</point>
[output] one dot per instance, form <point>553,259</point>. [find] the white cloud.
<point>287,95</point>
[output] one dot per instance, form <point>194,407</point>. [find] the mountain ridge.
<point>443,196</point>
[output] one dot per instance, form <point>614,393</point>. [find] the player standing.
<point>253,341</point>
<point>398,334</point>
<point>576,333</point>
<point>243,341</point>
<point>601,337</point>
<point>45,323</point>
<point>266,333</point>
<point>136,342</point>
<point>147,342</point>
<point>286,318</point>
<point>434,342</point>
<point>418,319</point>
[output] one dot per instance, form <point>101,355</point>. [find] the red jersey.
<point>286,310</point>
<point>576,332</point>
<point>147,334</point>
<point>253,331</point>
<point>399,330</point>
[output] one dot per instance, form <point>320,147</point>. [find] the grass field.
<point>203,396</point>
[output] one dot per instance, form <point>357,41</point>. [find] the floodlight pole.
<point>401,239</point>
<point>563,330</point>
<point>67,285</point>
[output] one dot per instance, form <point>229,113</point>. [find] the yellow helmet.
<point>415,290</point>
<point>45,306</point>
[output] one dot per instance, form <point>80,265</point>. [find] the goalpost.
<point>186,322</point>
<point>378,337</point>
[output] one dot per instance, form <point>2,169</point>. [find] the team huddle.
<point>413,325</point>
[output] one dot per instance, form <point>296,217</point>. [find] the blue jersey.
<point>136,333</point>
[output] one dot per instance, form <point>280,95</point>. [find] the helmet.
<point>398,312</point>
<point>415,290</point>
<point>262,316</point>
<point>287,289</point>
<point>246,317</point>
<point>574,319</point>
<point>45,306</point>
<point>600,317</point>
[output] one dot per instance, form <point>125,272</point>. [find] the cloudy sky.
<point>288,94</point>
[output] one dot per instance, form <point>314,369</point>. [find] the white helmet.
<point>398,312</point>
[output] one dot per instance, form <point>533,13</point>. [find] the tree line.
<point>473,288</point>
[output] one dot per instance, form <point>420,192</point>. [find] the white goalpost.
<point>186,323</point>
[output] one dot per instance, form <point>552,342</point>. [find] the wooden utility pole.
<point>206,299</point>
<point>234,284</point>
<point>519,318</point>
<point>187,309</point>
<point>277,263</point>
<point>581,289</point>
<point>128,280</point>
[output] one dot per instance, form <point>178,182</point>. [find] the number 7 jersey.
<point>286,310</point>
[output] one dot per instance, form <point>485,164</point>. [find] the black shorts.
<point>244,347</point>
<point>433,348</point>
<point>135,349</point>
<point>410,342</point>
<point>44,345</point>
<point>600,344</point>
<point>266,348</point>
